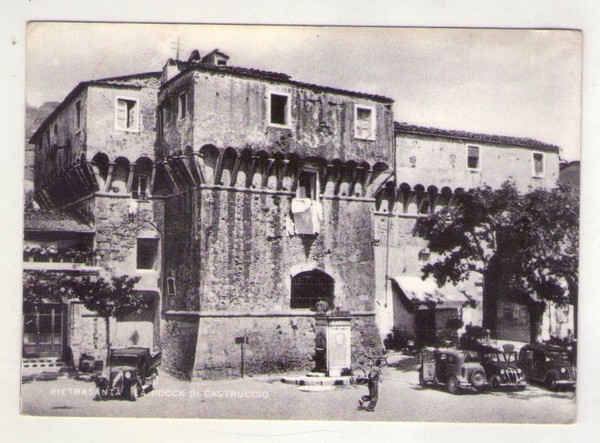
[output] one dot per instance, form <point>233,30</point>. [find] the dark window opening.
<point>182,110</point>
<point>78,112</point>
<point>222,63</point>
<point>171,286</point>
<point>473,157</point>
<point>139,187</point>
<point>311,287</point>
<point>279,105</point>
<point>147,249</point>
<point>307,185</point>
<point>538,165</point>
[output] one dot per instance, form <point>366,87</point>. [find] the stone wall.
<point>179,334</point>
<point>442,162</point>
<point>233,261</point>
<point>52,152</point>
<point>232,111</point>
<point>102,136</point>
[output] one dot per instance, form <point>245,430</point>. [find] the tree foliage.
<point>532,238</point>
<point>109,298</point>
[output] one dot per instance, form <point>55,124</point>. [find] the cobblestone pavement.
<point>401,399</point>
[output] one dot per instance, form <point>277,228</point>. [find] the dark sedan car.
<point>551,365</point>
<point>453,368</point>
<point>501,369</point>
<point>130,372</point>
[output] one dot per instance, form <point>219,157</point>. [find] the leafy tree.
<point>109,298</point>
<point>527,244</point>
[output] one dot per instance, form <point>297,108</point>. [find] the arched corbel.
<point>251,171</point>
<point>109,176</point>
<point>268,167</point>
<point>234,172</point>
<point>356,174</point>
<point>328,174</point>
<point>341,170</point>
<point>169,175</point>
<point>219,168</point>
<point>130,176</point>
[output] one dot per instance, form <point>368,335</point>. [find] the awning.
<point>427,292</point>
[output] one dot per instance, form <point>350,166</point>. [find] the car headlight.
<point>502,371</point>
<point>519,371</point>
<point>563,370</point>
<point>127,374</point>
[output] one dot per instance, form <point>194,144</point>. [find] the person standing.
<point>373,383</point>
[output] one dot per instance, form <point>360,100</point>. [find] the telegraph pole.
<point>177,47</point>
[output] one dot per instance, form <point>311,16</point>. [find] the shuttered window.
<point>126,114</point>
<point>364,123</point>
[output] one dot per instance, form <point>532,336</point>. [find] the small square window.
<point>147,250</point>
<point>473,160</point>
<point>279,109</point>
<point>364,122</point>
<point>307,185</point>
<point>538,164</point>
<point>126,114</point>
<point>182,106</point>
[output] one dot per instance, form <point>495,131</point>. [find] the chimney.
<point>170,70</point>
<point>215,58</point>
<point>194,56</point>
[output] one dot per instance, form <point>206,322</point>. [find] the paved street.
<point>401,399</point>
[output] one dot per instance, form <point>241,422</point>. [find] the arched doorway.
<point>311,287</point>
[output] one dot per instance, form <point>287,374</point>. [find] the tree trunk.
<point>536,316</point>
<point>107,324</point>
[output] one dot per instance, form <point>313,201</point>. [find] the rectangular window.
<point>279,109</point>
<point>538,164</point>
<point>139,187</point>
<point>78,113</point>
<point>182,106</point>
<point>473,161</point>
<point>307,185</point>
<point>126,114</point>
<point>364,122</point>
<point>147,250</point>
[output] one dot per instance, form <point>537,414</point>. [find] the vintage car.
<point>551,365</point>
<point>455,369</point>
<point>129,373</point>
<point>501,367</point>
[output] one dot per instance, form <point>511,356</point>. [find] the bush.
<point>397,339</point>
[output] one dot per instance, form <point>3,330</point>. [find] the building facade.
<point>431,165</point>
<point>253,207</point>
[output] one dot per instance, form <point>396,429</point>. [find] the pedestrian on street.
<point>373,384</point>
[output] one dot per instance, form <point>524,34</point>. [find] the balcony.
<point>51,258</point>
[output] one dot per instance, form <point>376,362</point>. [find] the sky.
<point>523,83</point>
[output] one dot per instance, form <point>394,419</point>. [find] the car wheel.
<point>453,385</point>
<point>133,392</point>
<point>421,378</point>
<point>478,379</point>
<point>495,382</point>
<point>102,394</point>
<point>551,382</point>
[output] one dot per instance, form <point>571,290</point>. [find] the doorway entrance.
<point>43,330</point>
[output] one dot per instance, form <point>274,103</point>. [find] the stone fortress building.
<point>252,206</point>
